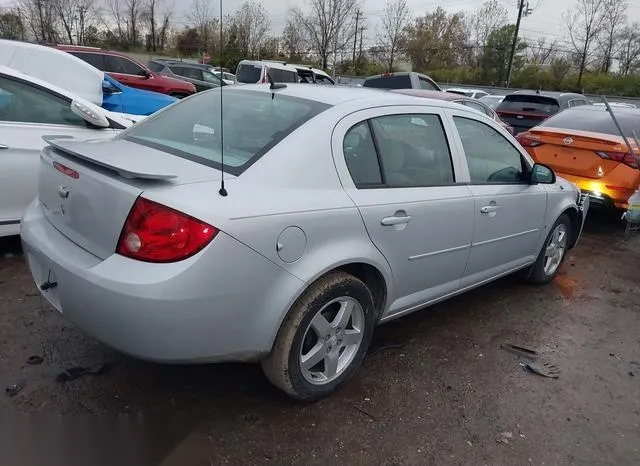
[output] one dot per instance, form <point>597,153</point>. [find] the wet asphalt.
<point>439,391</point>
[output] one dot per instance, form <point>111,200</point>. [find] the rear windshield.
<point>389,82</point>
<point>248,74</point>
<point>596,121</point>
<point>254,122</point>
<point>529,103</point>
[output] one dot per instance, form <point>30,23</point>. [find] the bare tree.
<point>395,20</point>
<point>86,17</point>
<point>116,19</point>
<point>40,17</point>
<point>202,16</point>
<point>542,51</point>
<point>294,41</point>
<point>165,25</point>
<point>614,18</point>
<point>329,25</point>
<point>132,8</point>
<point>488,18</point>
<point>560,67</point>
<point>584,23</point>
<point>630,48</point>
<point>253,26</point>
<point>66,11</point>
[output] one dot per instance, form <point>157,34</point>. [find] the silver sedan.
<point>284,238</point>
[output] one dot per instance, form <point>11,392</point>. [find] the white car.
<point>473,93</point>
<point>227,78</point>
<point>31,109</point>
<point>617,104</point>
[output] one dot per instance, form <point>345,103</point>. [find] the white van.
<point>309,74</point>
<point>253,71</point>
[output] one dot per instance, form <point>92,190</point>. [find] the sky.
<point>545,21</point>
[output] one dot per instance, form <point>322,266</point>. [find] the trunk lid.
<point>87,188</point>
<point>576,152</point>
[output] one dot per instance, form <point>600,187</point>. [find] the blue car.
<point>124,99</point>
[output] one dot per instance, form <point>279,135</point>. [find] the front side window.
<point>254,122</point>
<point>490,156</point>
<point>123,66</point>
<point>22,102</point>
<point>413,150</point>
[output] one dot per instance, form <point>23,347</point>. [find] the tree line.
<point>601,51</point>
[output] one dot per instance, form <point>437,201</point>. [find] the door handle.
<point>3,147</point>
<point>396,220</point>
<point>490,208</point>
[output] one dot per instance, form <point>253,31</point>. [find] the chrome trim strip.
<point>444,251</point>
<point>515,235</point>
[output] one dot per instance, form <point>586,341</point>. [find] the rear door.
<point>397,167</point>
<point>509,212</point>
<point>27,113</point>
<point>524,111</point>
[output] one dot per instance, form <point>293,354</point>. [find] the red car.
<point>460,99</point>
<point>129,72</point>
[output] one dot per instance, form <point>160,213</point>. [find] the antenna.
<point>222,191</point>
<point>615,120</point>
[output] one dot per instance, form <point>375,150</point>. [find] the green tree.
<point>495,56</point>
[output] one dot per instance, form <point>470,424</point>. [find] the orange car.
<point>584,145</point>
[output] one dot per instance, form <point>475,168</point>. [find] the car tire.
<point>553,252</point>
<point>318,328</point>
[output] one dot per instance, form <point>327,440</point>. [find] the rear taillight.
<point>156,233</point>
<point>627,158</point>
<point>526,140</point>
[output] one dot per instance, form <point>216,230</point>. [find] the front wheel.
<point>324,338</point>
<point>553,252</point>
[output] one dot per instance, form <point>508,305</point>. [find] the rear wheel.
<point>324,338</point>
<point>553,252</point>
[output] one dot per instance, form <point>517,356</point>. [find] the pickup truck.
<point>404,80</point>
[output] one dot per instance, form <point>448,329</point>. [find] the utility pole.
<point>355,38</point>
<point>361,37</point>
<point>522,11</point>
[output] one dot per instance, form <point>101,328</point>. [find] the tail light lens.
<point>528,140</point>
<point>156,233</point>
<point>627,158</point>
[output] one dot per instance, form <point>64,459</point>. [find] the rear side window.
<point>490,156</point>
<point>94,59</point>
<point>402,151</point>
<point>529,103</point>
<point>254,122</point>
<point>192,73</point>
<point>283,76</point>
<point>248,74</point>
<point>426,84</point>
<point>389,82</point>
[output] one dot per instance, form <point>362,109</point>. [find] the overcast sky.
<point>545,21</point>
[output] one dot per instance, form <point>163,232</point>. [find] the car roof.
<point>601,108</point>
<point>271,64</point>
<point>553,94</point>
<point>425,94</point>
<point>337,95</point>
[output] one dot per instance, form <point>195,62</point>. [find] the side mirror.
<point>541,174</point>
<point>109,88</point>
<point>145,74</point>
<point>90,113</point>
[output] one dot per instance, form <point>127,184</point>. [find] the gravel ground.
<point>448,395</point>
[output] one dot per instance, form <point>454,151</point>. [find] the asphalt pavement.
<point>443,388</point>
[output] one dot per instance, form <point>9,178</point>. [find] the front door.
<point>509,212</point>
<point>397,168</point>
<point>130,73</point>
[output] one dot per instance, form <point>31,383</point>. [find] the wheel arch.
<point>576,224</point>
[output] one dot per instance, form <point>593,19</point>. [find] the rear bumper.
<point>601,196</point>
<point>224,304</point>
